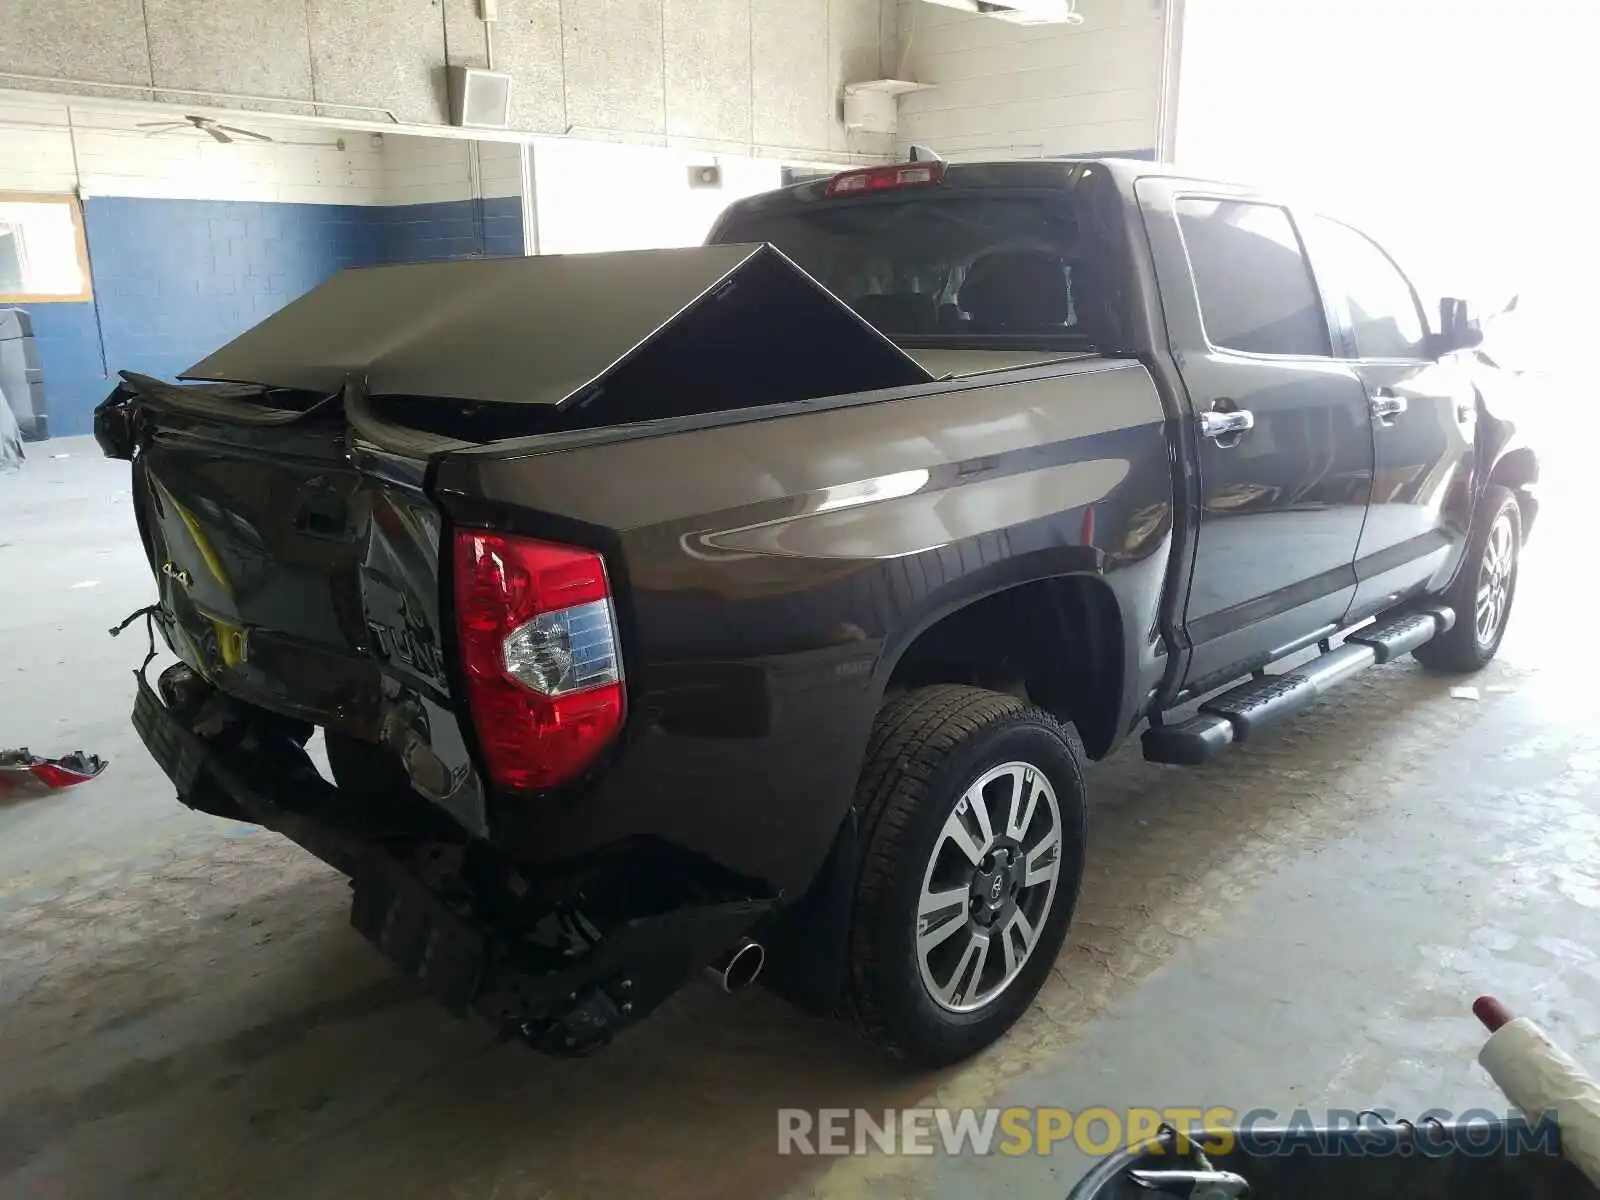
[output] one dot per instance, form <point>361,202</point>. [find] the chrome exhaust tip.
<point>738,969</point>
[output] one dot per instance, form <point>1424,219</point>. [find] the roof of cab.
<point>997,173</point>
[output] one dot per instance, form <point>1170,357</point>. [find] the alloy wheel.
<point>1495,577</point>
<point>988,886</point>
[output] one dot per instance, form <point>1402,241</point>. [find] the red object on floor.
<point>1491,1012</point>
<point>22,773</point>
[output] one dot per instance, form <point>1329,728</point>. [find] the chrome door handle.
<point>1196,1184</point>
<point>1226,427</point>
<point>1386,406</point>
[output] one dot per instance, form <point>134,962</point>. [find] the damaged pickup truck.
<point>726,607</point>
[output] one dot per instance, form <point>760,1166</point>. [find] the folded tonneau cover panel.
<point>548,330</point>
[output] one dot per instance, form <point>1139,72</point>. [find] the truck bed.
<point>766,561</point>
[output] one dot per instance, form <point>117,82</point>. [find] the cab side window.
<point>1253,282</point>
<point>1382,307</point>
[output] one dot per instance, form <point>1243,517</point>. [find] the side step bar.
<point>1240,713</point>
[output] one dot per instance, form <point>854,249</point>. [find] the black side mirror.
<point>1458,328</point>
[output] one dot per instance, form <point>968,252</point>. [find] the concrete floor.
<point>184,1011</point>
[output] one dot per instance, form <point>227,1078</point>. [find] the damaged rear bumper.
<point>428,927</point>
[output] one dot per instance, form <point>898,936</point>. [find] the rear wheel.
<point>972,809</point>
<point>1483,589</point>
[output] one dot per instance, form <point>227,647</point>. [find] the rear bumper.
<point>429,928</point>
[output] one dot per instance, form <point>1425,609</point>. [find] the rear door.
<point>1422,416</point>
<point>1279,435</point>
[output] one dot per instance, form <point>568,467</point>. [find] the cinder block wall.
<point>1009,91</point>
<point>450,199</point>
<point>754,77</point>
<point>191,241</point>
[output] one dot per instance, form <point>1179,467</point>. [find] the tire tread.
<point>911,740</point>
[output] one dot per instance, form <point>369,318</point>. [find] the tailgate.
<point>298,570</point>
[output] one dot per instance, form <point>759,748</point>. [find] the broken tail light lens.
<point>29,775</point>
<point>539,651</point>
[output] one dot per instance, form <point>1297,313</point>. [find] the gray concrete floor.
<point>184,1011</point>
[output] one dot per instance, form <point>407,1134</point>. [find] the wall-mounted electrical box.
<point>481,99</point>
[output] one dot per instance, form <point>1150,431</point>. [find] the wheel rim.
<point>1495,577</point>
<point>988,886</point>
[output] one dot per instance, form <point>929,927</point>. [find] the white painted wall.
<point>595,196</point>
<point>419,170</point>
<point>116,157</point>
<point>591,196</point>
<point>499,169</point>
<point>1009,91</point>
<point>741,76</point>
<point>424,170</point>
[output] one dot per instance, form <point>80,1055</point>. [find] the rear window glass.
<point>932,268</point>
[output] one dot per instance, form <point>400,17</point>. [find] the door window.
<point>1250,273</point>
<point>1383,309</point>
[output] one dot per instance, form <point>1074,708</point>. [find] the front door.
<point>1280,434</point>
<point>1422,415</point>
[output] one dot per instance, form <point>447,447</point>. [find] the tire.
<point>1496,538</point>
<point>928,750</point>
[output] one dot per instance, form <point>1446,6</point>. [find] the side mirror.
<point>1458,328</point>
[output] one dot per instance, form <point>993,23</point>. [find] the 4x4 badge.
<point>176,573</point>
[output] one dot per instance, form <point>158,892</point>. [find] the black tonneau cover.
<point>548,329</point>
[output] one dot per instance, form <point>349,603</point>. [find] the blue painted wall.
<point>175,279</point>
<point>69,350</point>
<point>452,229</point>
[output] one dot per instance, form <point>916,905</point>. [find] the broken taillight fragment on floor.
<point>26,774</point>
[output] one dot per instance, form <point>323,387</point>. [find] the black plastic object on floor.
<point>1472,1160</point>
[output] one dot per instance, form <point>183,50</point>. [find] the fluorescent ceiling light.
<point>1020,12</point>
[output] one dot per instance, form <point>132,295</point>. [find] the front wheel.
<point>972,807</point>
<point>1483,589</point>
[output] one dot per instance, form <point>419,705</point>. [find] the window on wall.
<point>1254,284</point>
<point>42,251</point>
<point>1383,309</point>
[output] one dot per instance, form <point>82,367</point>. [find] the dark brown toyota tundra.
<point>727,606</point>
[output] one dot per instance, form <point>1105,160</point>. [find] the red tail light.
<point>877,179</point>
<point>539,651</point>
<point>28,774</point>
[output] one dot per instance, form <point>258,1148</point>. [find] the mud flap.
<point>808,946</point>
